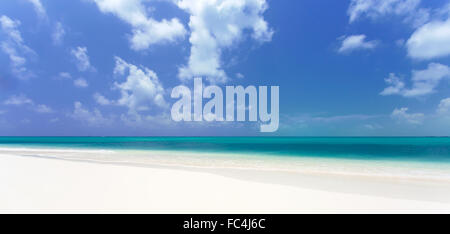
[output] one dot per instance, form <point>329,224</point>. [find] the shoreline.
<point>319,166</point>
<point>211,191</point>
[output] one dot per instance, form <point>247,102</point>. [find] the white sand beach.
<point>45,185</point>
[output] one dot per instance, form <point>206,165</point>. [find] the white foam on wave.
<point>306,165</point>
<point>44,150</point>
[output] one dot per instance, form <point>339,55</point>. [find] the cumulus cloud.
<point>375,9</point>
<point>430,41</point>
<point>18,100</point>
<point>146,30</point>
<point>23,100</point>
<point>58,34</point>
<point>140,90</point>
<point>403,116</point>
<point>38,8</point>
<point>424,82</point>
<point>82,59</point>
<point>15,48</point>
<point>395,85</point>
<point>63,76</point>
<point>43,109</point>
<point>102,100</point>
<point>444,107</point>
<point>356,42</point>
<point>216,25</point>
<point>92,118</point>
<point>80,83</point>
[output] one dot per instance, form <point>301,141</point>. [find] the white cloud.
<point>18,100</point>
<point>403,116</point>
<point>146,30</point>
<point>341,118</point>
<point>396,85</point>
<point>424,81</point>
<point>58,34</point>
<point>372,126</point>
<point>80,83</point>
<point>17,61</point>
<point>140,90</point>
<point>91,118</point>
<point>430,41</point>
<point>82,58</point>
<point>63,76</point>
<point>23,100</point>
<point>15,47</point>
<point>38,8</point>
<point>9,26</point>
<point>376,9</point>
<point>216,25</point>
<point>444,107</point>
<point>100,99</point>
<point>240,76</point>
<point>356,42</point>
<point>43,109</point>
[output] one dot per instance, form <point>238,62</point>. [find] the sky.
<point>107,67</point>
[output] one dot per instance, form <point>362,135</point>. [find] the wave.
<point>303,165</point>
<point>47,150</point>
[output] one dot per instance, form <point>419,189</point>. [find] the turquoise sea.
<point>423,149</point>
<point>386,157</point>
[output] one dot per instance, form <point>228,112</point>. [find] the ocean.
<point>423,149</point>
<point>424,157</point>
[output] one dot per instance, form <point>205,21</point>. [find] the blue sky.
<point>107,67</point>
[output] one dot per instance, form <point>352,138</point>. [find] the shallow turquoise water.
<point>427,149</point>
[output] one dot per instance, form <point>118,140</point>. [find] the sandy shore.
<point>33,184</point>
